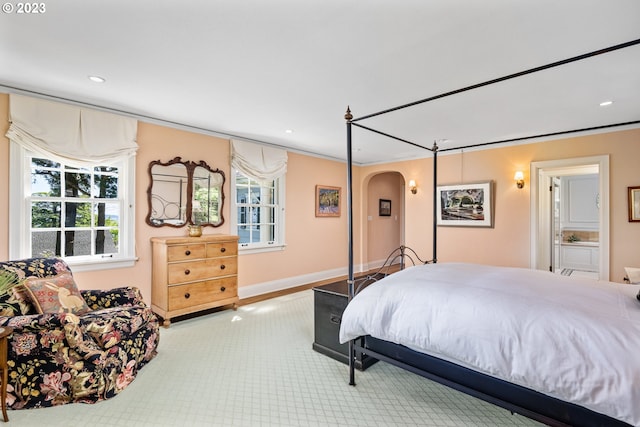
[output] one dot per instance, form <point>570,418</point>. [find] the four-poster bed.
<point>516,396</point>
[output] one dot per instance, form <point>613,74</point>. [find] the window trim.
<point>279,244</point>
<point>19,228</point>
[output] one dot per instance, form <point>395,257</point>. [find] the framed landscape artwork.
<point>327,201</point>
<point>465,205</point>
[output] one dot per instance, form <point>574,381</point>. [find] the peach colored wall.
<point>508,243</point>
<point>384,232</point>
<point>155,143</point>
<point>320,244</point>
<point>313,244</point>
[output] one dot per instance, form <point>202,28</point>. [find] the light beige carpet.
<point>255,367</point>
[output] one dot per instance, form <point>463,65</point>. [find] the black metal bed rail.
<point>397,257</point>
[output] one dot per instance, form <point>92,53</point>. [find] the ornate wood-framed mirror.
<point>184,192</point>
<point>208,196</point>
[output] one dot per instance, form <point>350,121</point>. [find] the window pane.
<point>244,235</point>
<point>105,186</point>
<point>267,214</point>
<point>44,163</point>
<point>106,241</point>
<point>242,215</point>
<point>45,183</point>
<point>45,244</point>
<point>77,184</point>
<point>255,233</point>
<point>77,243</point>
<point>255,195</point>
<point>78,214</point>
<point>270,230</point>
<point>268,196</point>
<point>254,215</point>
<point>242,194</point>
<point>106,214</point>
<point>45,214</point>
<point>108,169</point>
<point>241,179</point>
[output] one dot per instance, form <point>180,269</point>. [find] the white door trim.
<point>540,224</point>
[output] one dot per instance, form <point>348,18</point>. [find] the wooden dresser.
<point>192,274</point>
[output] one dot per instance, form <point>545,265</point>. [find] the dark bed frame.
<point>512,397</point>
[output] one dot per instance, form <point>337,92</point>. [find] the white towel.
<point>633,274</point>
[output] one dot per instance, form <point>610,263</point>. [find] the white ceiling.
<point>255,68</point>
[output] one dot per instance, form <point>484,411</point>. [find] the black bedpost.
<point>435,202</point>
<point>350,290</point>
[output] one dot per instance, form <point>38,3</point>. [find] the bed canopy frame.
<point>514,398</point>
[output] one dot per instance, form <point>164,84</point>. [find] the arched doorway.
<point>384,227</point>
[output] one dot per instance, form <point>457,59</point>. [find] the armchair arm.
<point>34,323</point>
<point>49,333</point>
<point>123,296</point>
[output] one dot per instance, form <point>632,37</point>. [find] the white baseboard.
<point>372,265</point>
<point>291,282</point>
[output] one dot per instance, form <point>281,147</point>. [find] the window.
<point>83,214</point>
<point>258,214</point>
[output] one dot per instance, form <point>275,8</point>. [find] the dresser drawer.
<point>222,249</point>
<point>186,252</point>
<point>194,294</point>
<point>181,272</point>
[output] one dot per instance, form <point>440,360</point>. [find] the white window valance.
<point>70,134</point>
<point>258,161</point>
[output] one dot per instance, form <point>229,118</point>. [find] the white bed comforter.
<point>575,339</point>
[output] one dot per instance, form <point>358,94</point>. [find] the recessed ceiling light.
<point>97,79</point>
<point>288,131</point>
<point>606,103</point>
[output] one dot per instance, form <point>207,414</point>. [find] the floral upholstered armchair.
<point>69,345</point>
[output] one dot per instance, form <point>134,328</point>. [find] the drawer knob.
<point>187,295</point>
<point>187,252</point>
<point>222,289</point>
<point>222,267</point>
<point>187,272</point>
<point>223,249</point>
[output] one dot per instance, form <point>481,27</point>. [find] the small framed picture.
<point>384,208</point>
<point>327,201</point>
<point>634,204</point>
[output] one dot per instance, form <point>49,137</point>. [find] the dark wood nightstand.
<point>329,302</point>
<point>4,335</point>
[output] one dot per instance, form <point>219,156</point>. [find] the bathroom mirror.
<point>184,192</point>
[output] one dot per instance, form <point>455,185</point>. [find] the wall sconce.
<point>519,178</point>
<point>412,186</point>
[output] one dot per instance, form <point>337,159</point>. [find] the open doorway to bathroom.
<point>575,219</point>
<point>570,216</point>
